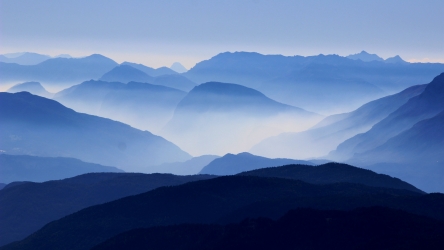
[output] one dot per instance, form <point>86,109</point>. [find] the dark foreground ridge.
<point>222,199</point>
<point>364,228</point>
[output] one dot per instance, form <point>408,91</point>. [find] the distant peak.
<point>365,57</point>
<point>178,67</point>
<point>395,59</point>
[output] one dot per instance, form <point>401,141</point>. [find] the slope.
<point>38,169</point>
<point>210,200</point>
<point>319,140</point>
<point>37,126</point>
<point>53,200</point>
<point>215,118</point>
<point>231,164</point>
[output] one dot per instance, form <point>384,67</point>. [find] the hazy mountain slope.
<point>26,58</point>
<point>178,67</point>
<point>175,81</point>
<point>141,105</point>
<point>58,71</point>
<point>38,126</point>
<point>215,118</point>
<point>34,88</point>
<point>125,74</point>
<point>2,185</point>
<point>319,140</point>
<point>53,200</point>
<point>231,164</point>
<point>209,200</point>
<point>332,173</point>
<point>263,72</point>
<point>38,169</point>
<point>426,105</point>
<point>151,71</point>
<point>363,228</point>
<point>190,167</point>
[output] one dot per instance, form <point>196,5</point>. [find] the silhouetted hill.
<point>125,74</point>
<point>365,57</point>
<point>38,169</point>
<point>332,173</point>
<point>178,67</point>
<point>26,58</point>
<point>2,185</point>
<point>53,200</point>
<point>208,201</point>
<point>141,105</point>
<point>395,59</point>
<point>151,71</point>
<point>192,166</point>
<point>34,88</point>
<point>38,126</point>
<point>58,70</point>
<point>363,228</point>
<point>265,72</point>
<point>426,105</point>
<point>230,164</point>
<point>325,136</point>
<point>241,116</point>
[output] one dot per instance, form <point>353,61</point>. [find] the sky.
<point>160,32</point>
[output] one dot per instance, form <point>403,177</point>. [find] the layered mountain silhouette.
<point>142,105</point>
<point>130,72</point>
<point>332,173</point>
<point>58,71</point>
<point>34,88</point>
<point>218,200</point>
<point>190,167</point>
<point>38,169</point>
<point>53,200</point>
<point>426,105</point>
<point>2,185</point>
<point>407,142</point>
<point>126,73</point>
<point>231,164</point>
<point>151,71</point>
<point>287,78</point>
<point>26,58</point>
<point>214,118</point>
<point>363,228</point>
<point>38,126</point>
<point>324,137</point>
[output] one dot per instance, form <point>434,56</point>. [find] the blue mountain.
<point>215,118</point>
<point>32,87</point>
<point>325,136</point>
<point>231,164</point>
<point>58,71</point>
<point>26,58</point>
<point>298,80</point>
<point>39,169</point>
<point>38,126</point>
<point>142,105</point>
<point>151,71</point>
<point>125,74</point>
<point>365,57</point>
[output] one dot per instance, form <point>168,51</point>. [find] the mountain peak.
<point>126,73</point>
<point>178,67</point>
<point>365,57</point>
<point>395,59</point>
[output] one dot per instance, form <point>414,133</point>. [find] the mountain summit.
<point>365,57</point>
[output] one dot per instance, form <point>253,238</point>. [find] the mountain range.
<point>53,200</point>
<point>307,82</point>
<point>235,116</point>
<point>325,136</point>
<point>38,126</point>
<point>218,200</point>
<point>38,169</point>
<point>189,167</point>
<point>142,105</point>
<point>26,58</point>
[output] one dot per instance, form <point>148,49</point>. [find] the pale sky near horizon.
<point>160,32</point>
